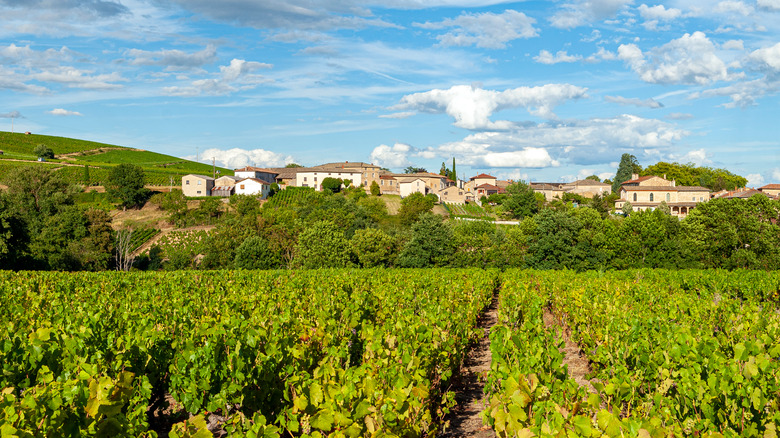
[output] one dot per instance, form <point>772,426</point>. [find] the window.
<point>199,192</point>
<point>651,197</point>
<point>242,187</point>
<point>315,179</point>
<point>187,182</point>
<point>668,197</point>
<point>199,181</point>
<point>634,197</point>
<point>304,178</point>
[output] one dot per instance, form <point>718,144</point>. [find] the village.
<point>638,193</point>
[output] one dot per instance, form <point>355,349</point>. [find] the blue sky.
<point>534,90</point>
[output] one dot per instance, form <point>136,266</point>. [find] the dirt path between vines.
<point>578,364</point>
<point>465,419</point>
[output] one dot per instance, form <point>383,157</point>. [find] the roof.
<point>208,178</point>
<point>256,180</point>
<point>692,189</point>
<point>487,186</point>
<point>588,182</point>
<point>667,189</point>
<point>770,187</point>
<point>544,186</point>
<point>222,188</point>
<point>346,164</point>
<point>482,176</point>
<point>640,179</point>
<point>739,194</point>
<point>233,177</point>
<point>408,179</point>
<point>387,177</point>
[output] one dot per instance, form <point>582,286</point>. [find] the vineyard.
<point>291,196</point>
<point>352,353</point>
<point>468,211</point>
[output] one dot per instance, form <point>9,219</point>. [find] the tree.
<point>375,191</point>
<point>431,245</point>
<point>255,253</point>
<point>292,165</point>
<point>627,209</point>
<point>413,169</point>
<point>124,249</point>
<point>520,200</point>
<point>86,179</point>
<point>453,173</point>
<point>126,184</point>
<point>413,206</point>
<point>372,247</point>
<point>628,166</point>
<point>322,245</point>
<point>332,185</point>
<point>43,151</point>
<point>594,178</point>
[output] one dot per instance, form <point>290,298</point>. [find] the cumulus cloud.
<point>772,5</point>
<point>653,15</point>
<point>239,75</point>
<point>471,107</point>
<point>691,59</point>
<point>546,57</point>
<point>77,78</point>
<point>173,59</point>
<point>528,157</point>
<point>755,180</point>
<point>647,103</point>
<point>394,156</point>
<point>237,157</point>
<point>486,30</point>
<point>582,12</point>
<point>767,57</point>
<point>64,112</point>
<point>698,157</point>
<point>733,7</point>
<point>734,45</point>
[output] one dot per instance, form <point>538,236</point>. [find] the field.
<point>468,211</point>
<point>72,155</point>
<point>373,352</point>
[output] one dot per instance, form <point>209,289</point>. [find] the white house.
<point>407,186</point>
<point>256,172</point>
<point>312,177</point>
<point>253,186</point>
<point>197,185</point>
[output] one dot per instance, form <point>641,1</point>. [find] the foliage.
<point>520,201</point>
<point>322,245</point>
<point>126,184</point>
<point>43,151</point>
<point>628,166</point>
<point>413,206</point>
<point>255,253</point>
<point>692,175</point>
<point>375,191</point>
<point>332,185</point>
<point>372,247</point>
<point>413,169</point>
<point>431,244</point>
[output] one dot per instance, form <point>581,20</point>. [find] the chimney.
<point>634,175</point>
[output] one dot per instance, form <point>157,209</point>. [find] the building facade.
<point>649,192</point>
<point>197,185</point>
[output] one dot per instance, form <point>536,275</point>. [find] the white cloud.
<point>691,59</point>
<point>399,115</point>
<point>647,103</point>
<point>237,157</point>
<point>658,12</point>
<point>486,30</point>
<point>64,112</point>
<point>392,156</point>
<point>755,180</point>
<point>528,157</point>
<point>602,55</point>
<point>733,7</point>
<point>581,12</point>
<point>773,5</point>
<point>546,57</point>
<point>767,57</point>
<point>75,78</point>
<point>679,116</point>
<point>472,107</point>
<point>733,45</point>
<point>174,59</point>
<point>698,157</point>
<point>237,76</point>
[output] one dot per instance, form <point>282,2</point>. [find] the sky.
<point>534,90</point>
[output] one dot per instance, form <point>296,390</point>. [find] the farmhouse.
<point>253,186</point>
<point>197,185</point>
<point>648,192</point>
<point>773,190</point>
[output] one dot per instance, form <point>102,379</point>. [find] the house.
<point>487,190</point>
<point>227,180</point>
<point>256,172</point>
<point>313,176</point>
<point>478,180</point>
<point>773,190</point>
<point>740,193</point>
<point>412,184</point>
<point>388,185</point>
<point>253,186</point>
<point>369,173</point>
<point>455,195</point>
<point>648,192</point>
<point>587,188</point>
<point>197,185</point>
<point>549,190</point>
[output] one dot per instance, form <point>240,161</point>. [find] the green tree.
<point>375,191</point>
<point>414,169</point>
<point>520,201</point>
<point>322,245</point>
<point>431,244</point>
<point>628,166</point>
<point>175,203</point>
<point>245,205</point>
<point>453,173</point>
<point>86,179</point>
<point>126,183</point>
<point>593,178</point>
<point>413,206</point>
<point>332,185</point>
<point>210,209</point>
<point>292,165</point>
<point>43,151</point>
<point>372,247</point>
<point>255,253</point>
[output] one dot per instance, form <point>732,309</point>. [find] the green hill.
<point>72,155</point>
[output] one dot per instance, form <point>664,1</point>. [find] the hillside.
<point>72,155</point>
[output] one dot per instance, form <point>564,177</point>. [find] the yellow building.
<point>648,192</point>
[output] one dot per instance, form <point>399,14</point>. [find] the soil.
<point>578,364</point>
<point>465,419</point>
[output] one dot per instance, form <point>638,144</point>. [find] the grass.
<point>24,144</point>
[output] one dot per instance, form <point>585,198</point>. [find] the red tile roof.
<point>770,187</point>
<point>482,176</point>
<point>640,179</point>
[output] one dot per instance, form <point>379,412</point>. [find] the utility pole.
<point>197,157</point>
<point>213,168</point>
<point>170,189</point>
